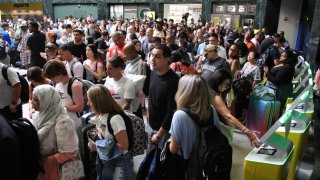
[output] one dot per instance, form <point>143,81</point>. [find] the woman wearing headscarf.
<point>56,132</point>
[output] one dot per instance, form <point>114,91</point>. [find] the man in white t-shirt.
<point>121,88</point>
<point>73,66</point>
<point>10,103</point>
<point>57,73</point>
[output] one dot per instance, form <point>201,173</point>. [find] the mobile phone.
<point>267,151</point>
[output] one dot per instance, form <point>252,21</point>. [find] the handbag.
<point>172,166</point>
<point>263,92</point>
<point>72,170</point>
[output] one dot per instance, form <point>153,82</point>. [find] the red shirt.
<point>114,50</point>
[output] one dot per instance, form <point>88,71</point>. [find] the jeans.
<point>105,169</point>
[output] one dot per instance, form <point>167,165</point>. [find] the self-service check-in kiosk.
<point>301,110</point>
<point>272,159</point>
<point>298,134</point>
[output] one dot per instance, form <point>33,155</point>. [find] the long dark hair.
<point>94,51</point>
<point>217,78</point>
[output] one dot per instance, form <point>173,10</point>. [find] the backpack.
<point>87,74</point>
<point>135,128</point>
<point>261,62</point>
<point>211,157</point>
<point>24,96</point>
<point>263,92</point>
<point>85,86</point>
<point>3,53</point>
<point>149,167</point>
<point>29,147</point>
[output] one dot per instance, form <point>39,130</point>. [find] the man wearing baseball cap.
<point>25,54</point>
<point>4,31</point>
<point>213,62</point>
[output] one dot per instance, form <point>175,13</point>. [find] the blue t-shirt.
<point>184,131</point>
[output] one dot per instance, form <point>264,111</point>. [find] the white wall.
<point>290,9</point>
<point>175,11</point>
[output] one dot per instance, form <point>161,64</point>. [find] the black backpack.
<point>24,96</point>
<point>261,62</point>
<point>211,157</point>
<point>3,53</point>
<point>29,147</point>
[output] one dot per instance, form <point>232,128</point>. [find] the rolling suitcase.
<point>261,115</point>
<point>88,158</point>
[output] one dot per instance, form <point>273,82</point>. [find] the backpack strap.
<point>69,88</point>
<point>84,75</point>
<point>71,68</point>
<point>111,114</point>
<point>5,74</point>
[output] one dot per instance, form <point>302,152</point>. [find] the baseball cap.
<point>23,24</point>
<point>276,35</point>
<point>230,37</point>
<point>209,47</point>
<point>4,24</point>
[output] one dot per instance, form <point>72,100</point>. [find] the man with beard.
<point>78,48</point>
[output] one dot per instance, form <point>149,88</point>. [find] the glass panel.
<point>252,8</point>
<point>219,8</point>
<point>116,11</point>
<point>231,8</point>
<point>242,8</point>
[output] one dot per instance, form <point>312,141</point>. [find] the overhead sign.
<point>20,6</point>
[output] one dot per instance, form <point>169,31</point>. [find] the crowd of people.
<point>186,66</point>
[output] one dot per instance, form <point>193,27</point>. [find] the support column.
<point>47,8</point>
<point>154,6</point>
<point>267,14</point>
<point>313,44</point>
<point>206,10</point>
<point>103,10</point>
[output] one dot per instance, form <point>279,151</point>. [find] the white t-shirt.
<point>6,91</point>
<point>121,90</point>
<point>252,72</point>
<point>77,68</point>
<point>117,124</point>
<point>66,100</point>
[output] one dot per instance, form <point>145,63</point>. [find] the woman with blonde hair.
<point>102,104</point>
<point>194,96</point>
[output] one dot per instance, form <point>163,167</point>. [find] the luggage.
<point>261,115</point>
<point>88,158</point>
